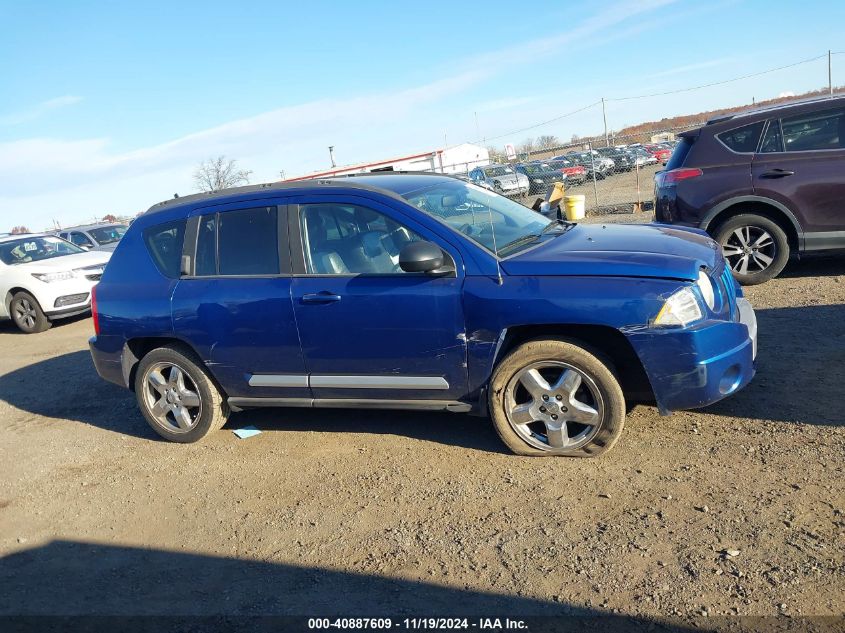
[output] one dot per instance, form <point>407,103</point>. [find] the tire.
<point>209,415</point>
<point>27,314</point>
<point>597,390</point>
<point>749,229</point>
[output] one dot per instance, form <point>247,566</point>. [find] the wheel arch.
<point>607,341</point>
<point>136,348</point>
<point>768,208</point>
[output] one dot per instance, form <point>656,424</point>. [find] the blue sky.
<point>108,107</point>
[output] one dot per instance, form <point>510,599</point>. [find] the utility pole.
<point>829,74</point>
<point>604,116</point>
<point>331,155</point>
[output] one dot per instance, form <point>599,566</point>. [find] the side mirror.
<point>421,257</point>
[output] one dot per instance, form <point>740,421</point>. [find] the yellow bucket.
<point>574,206</point>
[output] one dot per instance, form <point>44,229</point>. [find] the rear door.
<point>233,300</point>
<point>801,163</point>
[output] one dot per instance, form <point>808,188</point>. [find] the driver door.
<point>369,330</point>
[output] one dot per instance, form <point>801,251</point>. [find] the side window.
<point>206,264</point>
<point>341,239</point>
<point>772,141</point>
<point>819,130</point>
<point>247,242</point>
<point>164,241</point>
<point>743,139</point>
<point>80,239</point>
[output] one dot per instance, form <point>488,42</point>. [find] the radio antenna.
<point>495,247</point>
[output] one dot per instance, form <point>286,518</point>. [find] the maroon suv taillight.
<point>674,176</point>
<point>94,314</point>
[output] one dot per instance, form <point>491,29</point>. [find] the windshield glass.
<point>108,234</point>
<point>497,171</point>
<point>534,169</point>
<point>35,249</point>
<point>500,225</point>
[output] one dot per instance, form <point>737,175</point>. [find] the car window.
<point>34,249</point>
<point>247,242</point>
<point>341,239</point>
<point>743,139</point>
<point>80,239</point>
<point>679,155</point>
<point>164,242</point>
<point>206,256</point>
<point>772,139</point>
<point>819,130</point>
<point>108,234</point>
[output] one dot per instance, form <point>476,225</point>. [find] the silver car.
<point>95,237</point>
<point>501,179</point>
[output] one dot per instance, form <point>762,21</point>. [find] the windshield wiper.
<point>557,223</point>
<point>519,241</point>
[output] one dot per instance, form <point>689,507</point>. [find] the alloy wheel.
<point>25,313</point>
<point>553,406</point>
<point>172,397</point>
<point>749,250</point>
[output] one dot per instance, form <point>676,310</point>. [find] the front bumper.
<point>697,366</point>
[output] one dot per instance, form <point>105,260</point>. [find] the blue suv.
<point>413,291</point>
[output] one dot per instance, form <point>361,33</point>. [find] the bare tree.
<point>218,173</point>
<point>547,141</point>
<point>20,230</point>
<point>527,146</point>
<point>109,218</point>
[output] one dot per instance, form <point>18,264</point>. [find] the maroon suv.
<point>763,183</point>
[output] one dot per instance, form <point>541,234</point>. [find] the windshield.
<point>35,249</point>
<point>108,234</point>
<point>500,225</point>
<point>536,169</point>
<point>497,171</point>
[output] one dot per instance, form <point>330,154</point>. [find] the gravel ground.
<point>733,509</point>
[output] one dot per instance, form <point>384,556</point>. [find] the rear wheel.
<point>554,397</point>
<point>177,397</point>
<point>755,247</point>
<point>27,314</point>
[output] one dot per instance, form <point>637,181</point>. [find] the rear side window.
<point>771,139</point>
<point>164,242</point>
<point>680,154</point>
<point>247,242</point>
<point>743,139</point>
<point>820,130</point>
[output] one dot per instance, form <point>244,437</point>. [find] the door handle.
<point>320,297</point>
<point>777,173</point>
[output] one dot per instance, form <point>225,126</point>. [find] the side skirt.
<point>239,404</point>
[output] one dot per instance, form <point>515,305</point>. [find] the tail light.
<point>674,176</point>
<point>94,314</point>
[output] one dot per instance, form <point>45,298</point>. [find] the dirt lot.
<point>735,509</point>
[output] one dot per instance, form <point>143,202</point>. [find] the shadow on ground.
<point>816,265</point>
<point>800,376</point>
<point>801,368</point>
<point>76,578</point>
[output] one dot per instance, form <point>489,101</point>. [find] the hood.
<point>68,262</point>
<point>619,250</point>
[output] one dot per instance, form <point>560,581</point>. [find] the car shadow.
<point>816,265</point>
<point>800,368</point>
<point>77,393</point>
<point>7,326</point>
<point>164,590</point>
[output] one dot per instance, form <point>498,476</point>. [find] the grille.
<point>729,284</point>
<point>94,277</point>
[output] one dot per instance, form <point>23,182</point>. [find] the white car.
<point>43,277</point>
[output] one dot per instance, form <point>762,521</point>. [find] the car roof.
<point>765,111</point>
<point>395,183</point>
<point>20,236</point>
<point>85,227</point>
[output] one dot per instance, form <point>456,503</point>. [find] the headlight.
<point>705,285</point>
<point>48,277</point>
<point>681,308</point>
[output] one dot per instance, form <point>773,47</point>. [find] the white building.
<point>459,159</point>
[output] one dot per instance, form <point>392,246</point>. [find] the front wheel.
<point>554,397</point>
<point>177,397</point>
<point>27,314</point>
<point>755,247</point>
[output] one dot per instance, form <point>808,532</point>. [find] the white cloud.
<point>54,177</point>
<point>39,110</point>
<point>679,70</point>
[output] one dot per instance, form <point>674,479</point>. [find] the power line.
<point>536,125</point>
<point>717,83</point>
